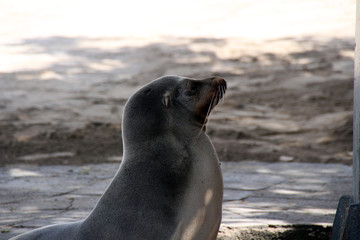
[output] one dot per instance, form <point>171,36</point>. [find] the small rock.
<point>114,159</point>
<point>286,158</point>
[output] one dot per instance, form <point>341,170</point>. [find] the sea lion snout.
<point>215,80</point>
<point>220,85</point>
<point>212,91</point>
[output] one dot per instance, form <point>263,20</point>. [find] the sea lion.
<point>169,184</point>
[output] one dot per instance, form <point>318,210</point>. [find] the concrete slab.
<point>257,194</point>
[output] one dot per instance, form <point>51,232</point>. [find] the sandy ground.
<point>67,69</point>
<point>293,106</point>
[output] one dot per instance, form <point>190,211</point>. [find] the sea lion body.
<point>169,184</point>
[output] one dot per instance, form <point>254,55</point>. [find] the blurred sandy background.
<point>68,67</point>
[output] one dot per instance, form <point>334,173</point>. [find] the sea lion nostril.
<point>217,80</point>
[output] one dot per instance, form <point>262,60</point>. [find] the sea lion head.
<point>200,96</point>
<point>171,103</point>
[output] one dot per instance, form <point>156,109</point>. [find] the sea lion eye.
<point>191,89</point>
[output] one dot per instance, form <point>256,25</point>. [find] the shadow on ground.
<point>297,232</point>
<point>288,99</point>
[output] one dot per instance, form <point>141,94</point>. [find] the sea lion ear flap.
<point>166,100</point>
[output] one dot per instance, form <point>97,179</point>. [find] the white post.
<point>356,124</point>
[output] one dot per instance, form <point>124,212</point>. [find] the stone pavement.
<point>256,193</point>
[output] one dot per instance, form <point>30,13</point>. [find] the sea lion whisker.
<point>219,91</point>
<point>217,98</point>
<point>222,93</point>
<point>223,89</point>
<point>206,117</point>
<point>221,100</point>
<point>211,105</point>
